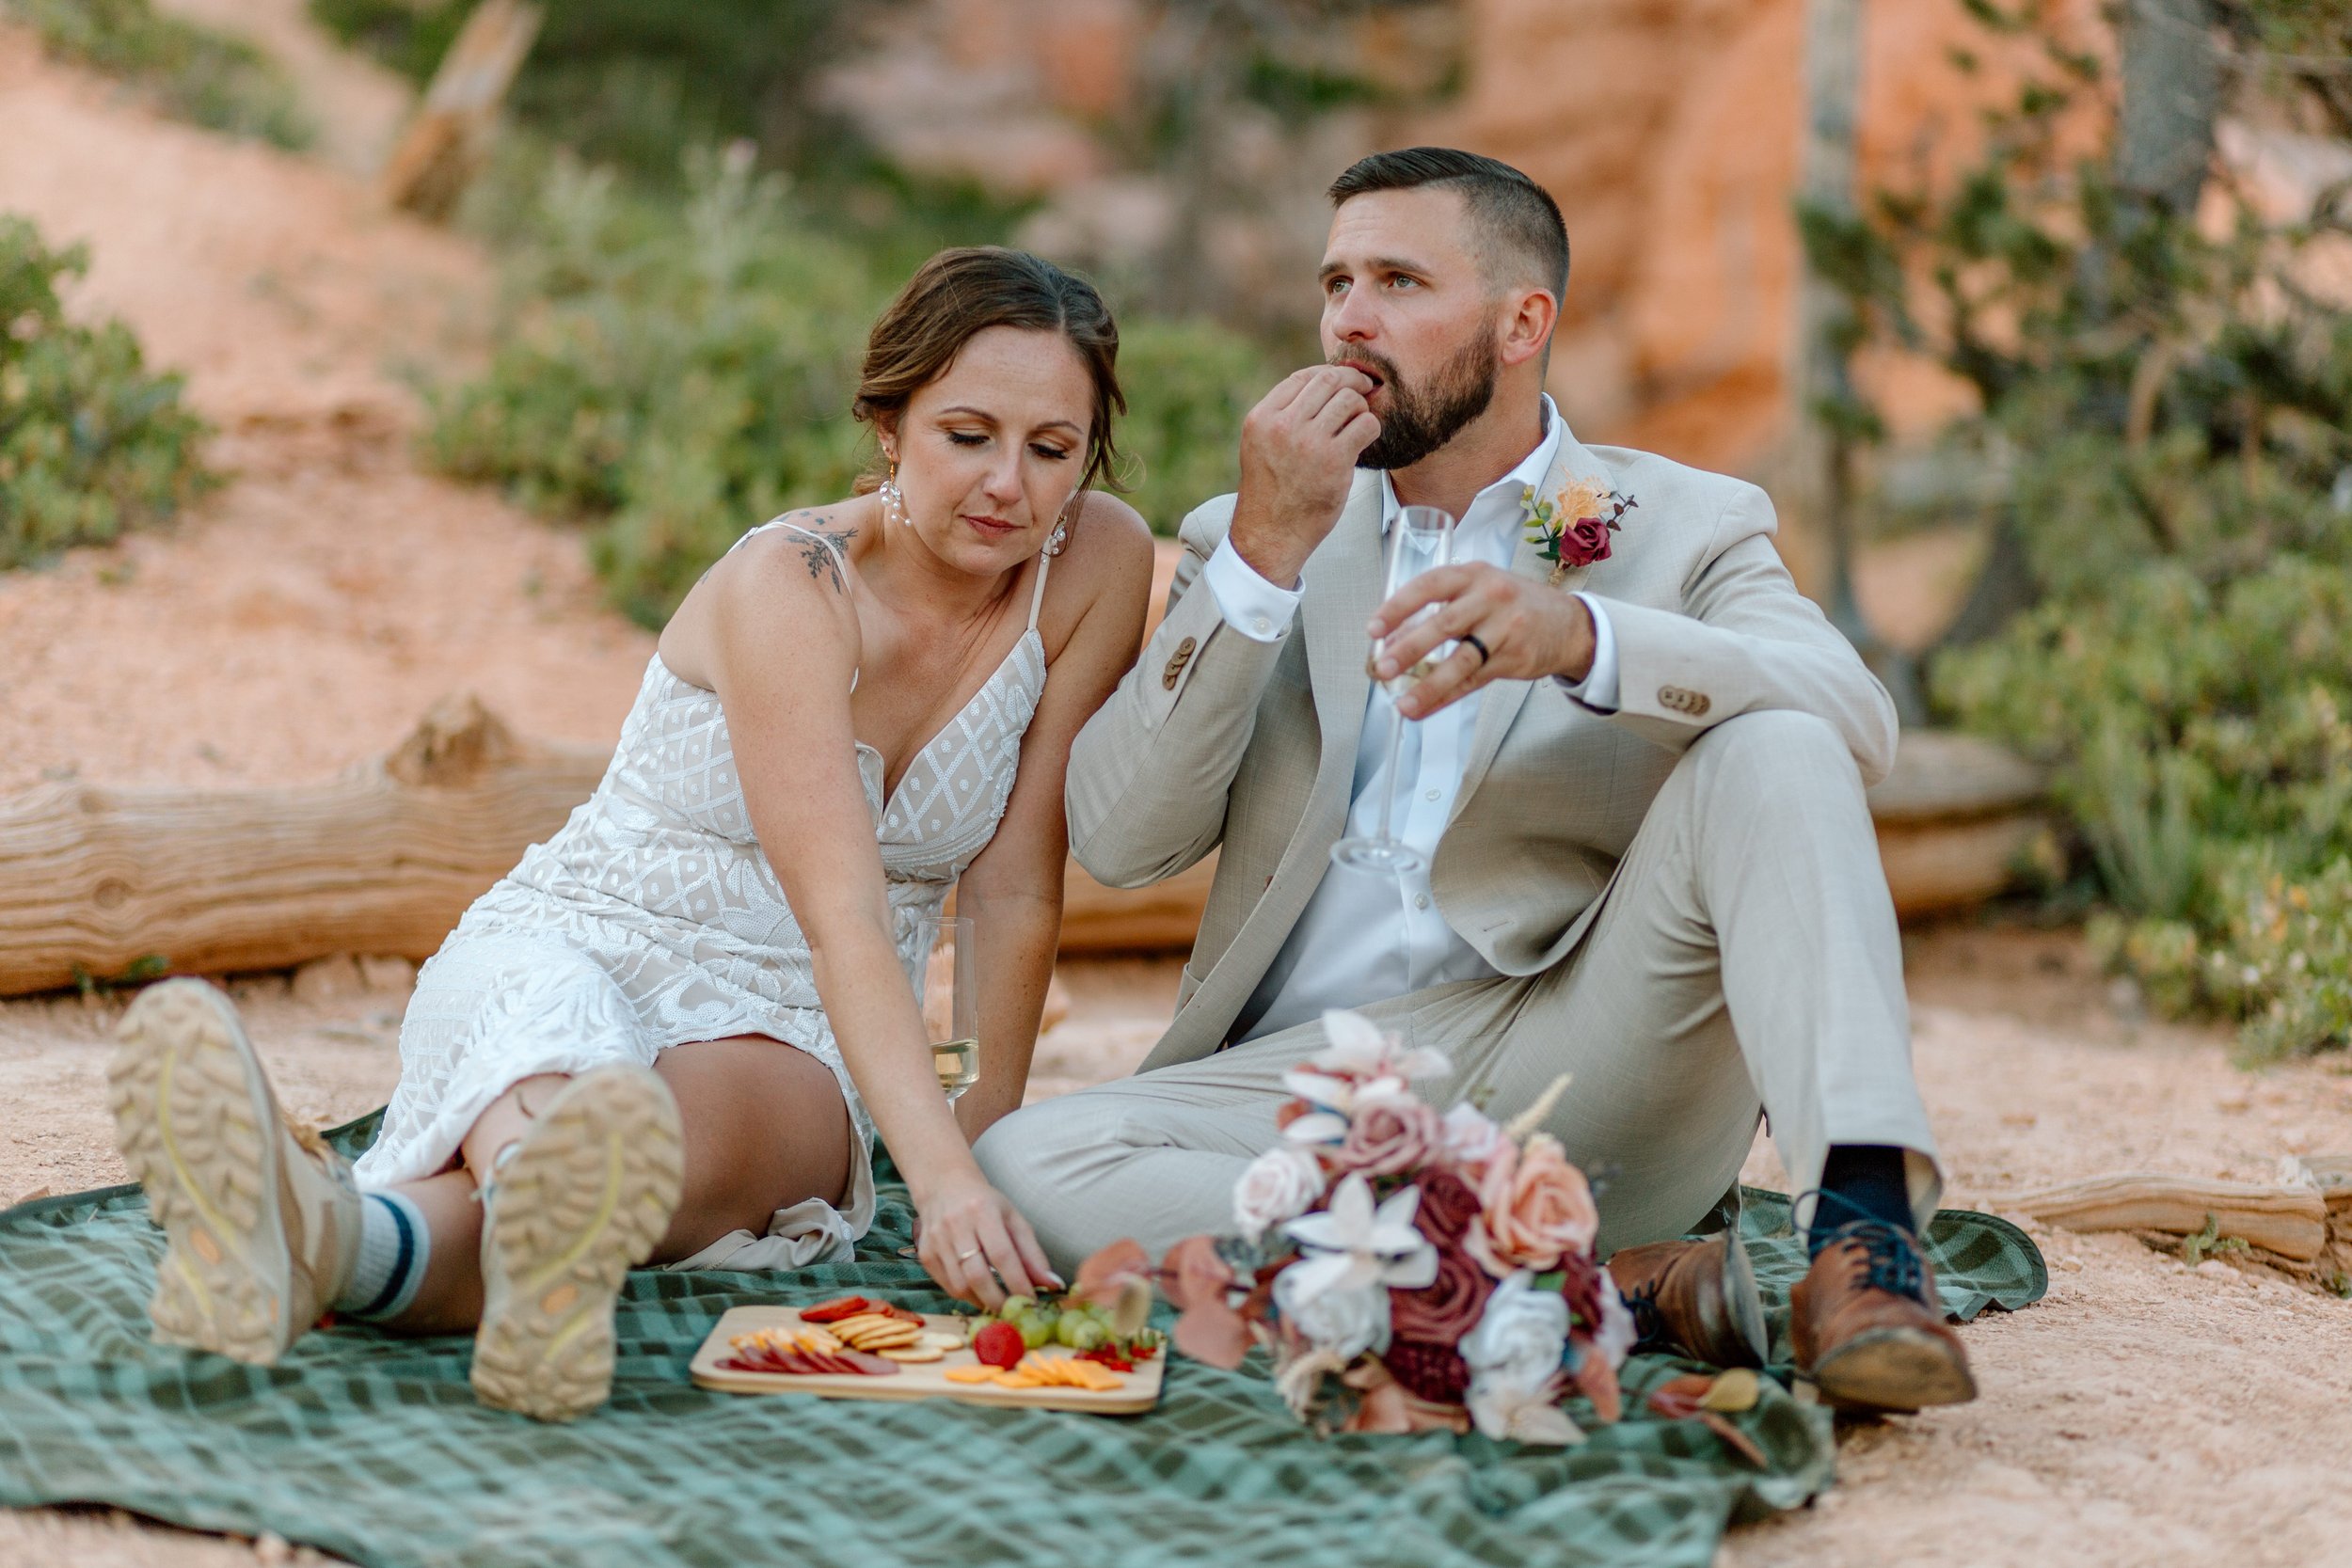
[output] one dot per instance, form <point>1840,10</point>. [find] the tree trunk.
<point>1824,456</point>
<point>2171,94</point>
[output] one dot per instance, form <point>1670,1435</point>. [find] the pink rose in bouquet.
<point>1389,1137</point>
<point>1535,1207</point>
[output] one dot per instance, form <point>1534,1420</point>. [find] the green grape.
<point>1081,1331</point>
<point>1037,1328</point>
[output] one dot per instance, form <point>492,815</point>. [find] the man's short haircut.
<point>1516,221</point>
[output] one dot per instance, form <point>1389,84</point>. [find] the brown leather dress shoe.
<point>1867,1329</point>
<point>1697,1299</point>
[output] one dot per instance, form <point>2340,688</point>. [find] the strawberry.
<point>999,1344</point>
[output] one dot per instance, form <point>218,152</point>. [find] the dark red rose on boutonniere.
<point>1584,542</point>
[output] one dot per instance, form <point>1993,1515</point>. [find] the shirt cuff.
<point>1599,689</point>
<point>1251,605</point>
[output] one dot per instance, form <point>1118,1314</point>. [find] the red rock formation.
<point>1670,131</point>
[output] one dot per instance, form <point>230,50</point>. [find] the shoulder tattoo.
<point>821,544</point>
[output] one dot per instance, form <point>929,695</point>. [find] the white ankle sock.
<point>393,1246</point>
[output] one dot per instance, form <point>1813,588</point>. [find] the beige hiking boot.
<point>572,1206</point>
<point>263,1223</point>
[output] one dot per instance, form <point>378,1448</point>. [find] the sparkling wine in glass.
<point>1421,541</point>
<point>951,1001</point>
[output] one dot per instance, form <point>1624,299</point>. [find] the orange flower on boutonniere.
<point>1574,525</point>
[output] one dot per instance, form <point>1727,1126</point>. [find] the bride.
<point>673,1031</point>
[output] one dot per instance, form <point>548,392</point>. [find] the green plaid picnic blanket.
<point>373,1448</point>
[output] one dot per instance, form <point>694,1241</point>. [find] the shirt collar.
<point>1530,474</point>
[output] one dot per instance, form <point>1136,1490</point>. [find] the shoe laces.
<point>1649,1324</point>
<point>1891,1253</point>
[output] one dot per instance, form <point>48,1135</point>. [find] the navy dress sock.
<point>1861,1181</point>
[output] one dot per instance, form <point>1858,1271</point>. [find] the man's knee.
<point>1019,1155</point>
<point>1777,753</point>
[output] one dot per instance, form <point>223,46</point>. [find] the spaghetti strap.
<point>838,559</point>
<point>1038,598</point>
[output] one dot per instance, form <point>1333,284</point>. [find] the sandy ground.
<point>305,615</point>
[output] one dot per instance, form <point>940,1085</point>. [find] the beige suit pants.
<point>1745,954</point>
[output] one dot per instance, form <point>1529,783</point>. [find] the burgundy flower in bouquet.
<point>1408,1270</point>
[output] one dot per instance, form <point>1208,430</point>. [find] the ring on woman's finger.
<point>1471,638</point>
<point>961,1257</point>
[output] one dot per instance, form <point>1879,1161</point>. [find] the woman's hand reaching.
<point>975,1244</point>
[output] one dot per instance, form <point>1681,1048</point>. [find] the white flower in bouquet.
<point>1472,1138</point>
<point>1299,1379</point>
<point>1346,1322</point>
<point>1530,1415</point>
<point>1615,1337</point>
<point>1350,1245</point>
<point>1281,1184</point>
<point>1515,1355</point>
<point>1362,1061</point>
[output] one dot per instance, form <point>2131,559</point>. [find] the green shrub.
<point>2202,741</point>
<point>194,74</point>
<point>676,373</point>
<point>90,444</point>
<point>1188,384</point>
<point>2170,408</point>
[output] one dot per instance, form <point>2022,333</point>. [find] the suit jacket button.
<point>1176,662</point>
<point>1681,701</point>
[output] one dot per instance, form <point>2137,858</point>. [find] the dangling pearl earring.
<point>1058,540</point>
<point>893,500</point>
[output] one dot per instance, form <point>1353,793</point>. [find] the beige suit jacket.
<point>1217,741</point>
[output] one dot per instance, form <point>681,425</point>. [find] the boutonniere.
<point>1574,525</point>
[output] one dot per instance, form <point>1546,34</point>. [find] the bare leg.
<point>765,1128</point>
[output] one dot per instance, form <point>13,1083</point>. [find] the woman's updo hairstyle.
<point>961,293</point>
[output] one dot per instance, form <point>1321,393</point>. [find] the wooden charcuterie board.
<point>915,1380</point>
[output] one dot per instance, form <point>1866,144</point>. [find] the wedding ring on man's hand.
<point>1471,638</point>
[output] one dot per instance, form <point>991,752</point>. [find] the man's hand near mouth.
<point>1298,451</point>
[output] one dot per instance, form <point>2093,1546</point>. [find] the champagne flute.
<point>1421,541</point>
<point>950,1000</point>
<point>951,1004</point>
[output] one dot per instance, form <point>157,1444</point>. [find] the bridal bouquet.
<point>1408,1270</point>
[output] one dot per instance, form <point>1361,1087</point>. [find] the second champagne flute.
<point>1421,541</point>
<point>951,1001</point>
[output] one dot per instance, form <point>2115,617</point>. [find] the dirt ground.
<point>302,617</point>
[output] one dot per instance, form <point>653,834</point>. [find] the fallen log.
<point>94,881</point>
<point>98,883</point>
<point>2289,1221</point>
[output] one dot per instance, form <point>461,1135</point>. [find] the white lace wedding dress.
<point>653,919</point>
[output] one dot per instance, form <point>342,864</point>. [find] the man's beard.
<point>1419,420</point>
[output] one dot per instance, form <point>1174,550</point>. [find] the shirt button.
<point>1421,900</point>
<point>1430,795</point>
<point>1262,625</point>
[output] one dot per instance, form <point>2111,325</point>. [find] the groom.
<point>1636,784</point>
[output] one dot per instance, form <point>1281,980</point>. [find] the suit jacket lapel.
<point>1500,704</point>
<point>1343,589</point>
